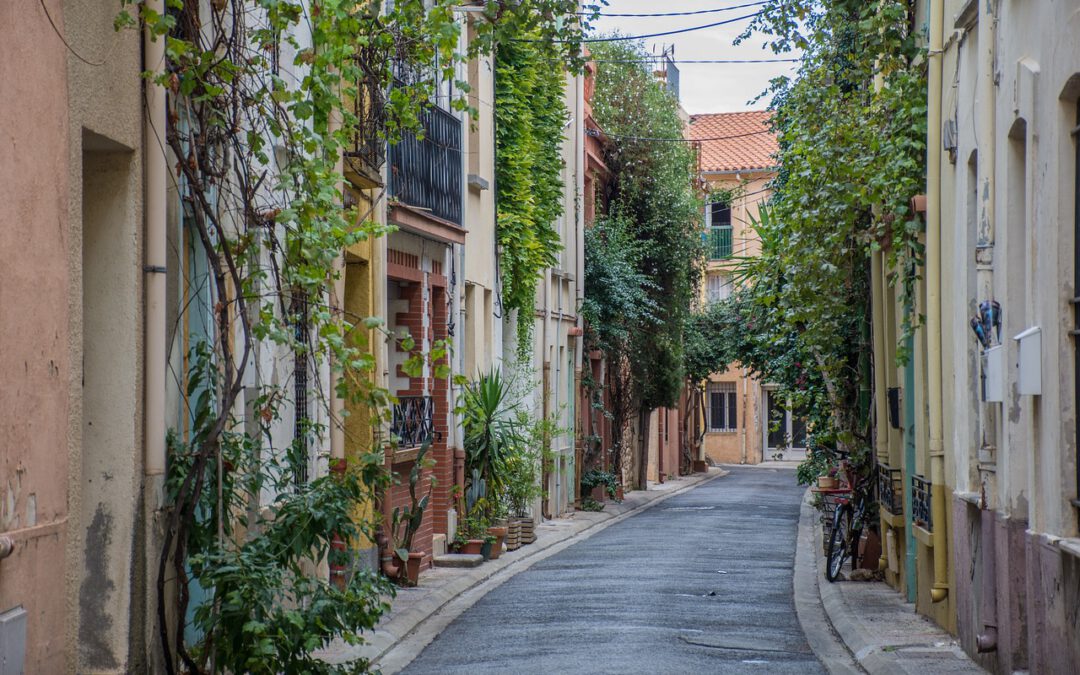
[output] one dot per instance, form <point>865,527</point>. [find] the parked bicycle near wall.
<point>847,523</point>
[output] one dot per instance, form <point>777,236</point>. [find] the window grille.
<point>720,235</point>
<point>723,402</point>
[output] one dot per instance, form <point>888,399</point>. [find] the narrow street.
<point>700,583</point>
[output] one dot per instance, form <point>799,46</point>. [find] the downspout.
<point>881,409</point>
<point>154,268</point>
<point>746,409</point>
<point>940,589</point>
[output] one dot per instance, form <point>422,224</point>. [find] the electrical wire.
<point>597,134</point>
<point>623,38</point>
<point>660,59</point>
<point>692,13</point>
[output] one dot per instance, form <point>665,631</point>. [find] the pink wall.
<point>34,356</point>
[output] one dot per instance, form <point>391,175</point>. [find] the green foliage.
<point>530,117</point>
<point>522,480</point>
<point>654,199</point>
<point>405,522</point>
<point>255,149</point>
<point>489,419</point>
<point>851,130</point>
<point>594,478</point>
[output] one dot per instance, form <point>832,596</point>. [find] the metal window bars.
<point>413,421</point>
<point>890,489</point>
<point>921,494</point>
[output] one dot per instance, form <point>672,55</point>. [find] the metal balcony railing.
<point>890,489</point>
<point>921,494</point>
<point>719,243</point>
<point>368,142</point>
<point>414,421</point>
<point>427,173</point>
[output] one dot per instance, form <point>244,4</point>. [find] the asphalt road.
<point>700,583</point>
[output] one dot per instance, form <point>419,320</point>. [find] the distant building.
<point>743,420</point>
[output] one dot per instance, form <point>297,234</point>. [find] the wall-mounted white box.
<point>994,374</point>
<point>1029,362</point>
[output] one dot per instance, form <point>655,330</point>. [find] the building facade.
<point>742,420</point>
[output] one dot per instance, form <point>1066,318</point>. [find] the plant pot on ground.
<point>599,494</point>
<point>513,535</point>
<point>472,546</point>
<point>499,533</point>
<point>412,568</point>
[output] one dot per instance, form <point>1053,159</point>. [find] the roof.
<point>747,143</point>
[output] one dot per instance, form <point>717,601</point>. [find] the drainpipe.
<point>881,408</point>
<point>987,640</point>
<point>940,589</point>
<point>155,252</point>
<point>746,408</point>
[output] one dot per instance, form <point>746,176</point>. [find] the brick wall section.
<point>436,313</point>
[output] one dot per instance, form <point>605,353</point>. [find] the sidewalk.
<point>879,630</point>
<point>408,618</point>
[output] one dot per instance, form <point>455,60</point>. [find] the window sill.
<point>1070,546</point>
<point>718,432</point>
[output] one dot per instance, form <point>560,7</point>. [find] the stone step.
<point>459,560</point>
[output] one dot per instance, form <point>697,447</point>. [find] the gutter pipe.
<point>154,267</point>
<point>940,589</point>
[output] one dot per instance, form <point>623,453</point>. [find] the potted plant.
<point>522,489</point>
<point>601,485</point>
<point>405,522</point>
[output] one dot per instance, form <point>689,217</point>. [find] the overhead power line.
<point>623,38</point>
<point>692,13</point>
<point>660,59</point>
<point>670,139</point>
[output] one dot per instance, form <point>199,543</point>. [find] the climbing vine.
<point>530,119</point>
<point>851,128</point>
<point>653,193</point>
<point>264,100</point>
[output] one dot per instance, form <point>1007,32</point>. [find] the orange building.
<point>744,421</point>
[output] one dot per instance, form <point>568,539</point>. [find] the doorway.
<point>784,429</point>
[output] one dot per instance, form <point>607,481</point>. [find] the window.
<point>719,287</point>
<point>718,215</point>
<point>722,407</point>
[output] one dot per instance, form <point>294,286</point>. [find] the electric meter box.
<point>1029,362</point>
<point>994,374</point>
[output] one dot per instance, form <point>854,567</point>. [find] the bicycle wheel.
<point>837,550</point>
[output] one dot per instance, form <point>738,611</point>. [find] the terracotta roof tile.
<point>752,147</point>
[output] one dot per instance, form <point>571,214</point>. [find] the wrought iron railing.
<point>719,243</point>
<point>890,489</point>
<point>427,173</point>
<point>921,494</point>
<point>414,421</point>
<point>368,141</point>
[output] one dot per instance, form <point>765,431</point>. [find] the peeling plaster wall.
<point>1029,478</point>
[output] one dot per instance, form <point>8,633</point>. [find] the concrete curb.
<point>878,629</point>
<point>815,619</point>
<point>420,624</point>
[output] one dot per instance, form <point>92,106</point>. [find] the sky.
<point>708,87</point>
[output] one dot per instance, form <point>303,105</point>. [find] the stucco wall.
<point>105,340</point>
<point>34,325</point>
<point>1011,183</point>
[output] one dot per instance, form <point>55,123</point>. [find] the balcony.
<point>719,243</point>
<point>426,174</point>
<point>921,494</point>
<point>414,421</point>
<point>366,154</point>
<point>890,490</point>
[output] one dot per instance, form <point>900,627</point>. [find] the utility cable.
<point>597,134</point>
<point>623,38</point>
<point>691,13</point>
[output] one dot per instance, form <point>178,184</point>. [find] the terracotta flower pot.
<point>412,568</point>
<point>499,532</point>
<point>599,493</point>
<point>472,547</point>
<point>827,482</point>
<point>619,492</point>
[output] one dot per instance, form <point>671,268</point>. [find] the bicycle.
<point>847,529</point>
